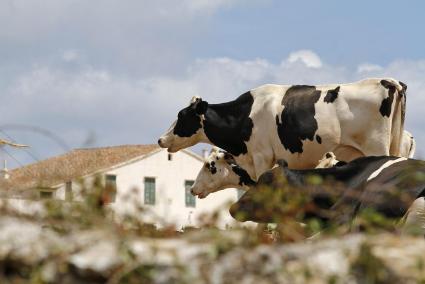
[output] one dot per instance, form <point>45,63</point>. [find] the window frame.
<point>49,191</point>
<point>189,199</point>
<point>149,194</point>
<point>68,191</point>
<point>110,193</point>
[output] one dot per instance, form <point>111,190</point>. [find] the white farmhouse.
<point>133,174</point>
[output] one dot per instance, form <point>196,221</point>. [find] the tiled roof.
<point>72,165</point>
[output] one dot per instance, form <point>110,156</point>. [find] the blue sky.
<point>97,73</point>
<point>342,32</point>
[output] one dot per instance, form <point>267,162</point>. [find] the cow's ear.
<point>282,163</point>
<point>201,107</point>
<point>228,157</point>
<point>194,99</point>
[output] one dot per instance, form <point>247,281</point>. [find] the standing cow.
<point>297,123</point>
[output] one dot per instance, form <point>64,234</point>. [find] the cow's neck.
<point>228,125</point>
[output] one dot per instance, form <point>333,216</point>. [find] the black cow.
<point>388,185</point>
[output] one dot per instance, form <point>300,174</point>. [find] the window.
<point>170,157</point>
<point>46,194</point>
<point>150,191</point>
<point>110,193</point>
<point>68,191</point>
<point>190,200</point>
<point>240,192</point>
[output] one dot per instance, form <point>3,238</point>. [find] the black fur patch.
<point>189,120</point>
<point>331,95</point>
<point>319,139</point>
<point>298,122</point>
<point>386,103</point>
<point>244,178</point>
<point>229,126</point>
<point>404,86</point>
<point>213,168</point>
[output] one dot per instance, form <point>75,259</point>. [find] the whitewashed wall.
<point>170,177</point>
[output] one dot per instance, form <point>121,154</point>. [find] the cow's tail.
<point>412,145</point>
<point>412,148</point>
<point>397,123</point>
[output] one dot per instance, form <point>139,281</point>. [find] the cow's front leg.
<point>261,164</point>
<point>414,220</point>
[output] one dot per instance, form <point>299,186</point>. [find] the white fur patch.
<point>386,165</point>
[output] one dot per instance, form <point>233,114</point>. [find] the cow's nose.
<point>159,142</point>
<point>192,191</point>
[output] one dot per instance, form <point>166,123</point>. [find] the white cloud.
<point>134,37</point>
<point>368,67</point>
<point>70,55</point>
<point>308,57</point>
<point>34,18</point>
<point>207,5</point>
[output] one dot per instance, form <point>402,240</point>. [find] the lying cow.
<point>392,186</point>
<point>297,123</point>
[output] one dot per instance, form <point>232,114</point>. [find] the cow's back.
<point>344,118</point>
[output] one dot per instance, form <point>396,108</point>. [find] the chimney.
<point>5,172</point>
<point>205,153</point>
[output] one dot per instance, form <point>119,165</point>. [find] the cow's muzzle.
<point>161,143</point>
<point>200,195</point>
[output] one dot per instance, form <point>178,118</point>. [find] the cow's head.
<point>187,130</point>
<point>328,161</point>
<point>220,171</point>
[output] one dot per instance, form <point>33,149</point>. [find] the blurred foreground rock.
<point>29,252</point>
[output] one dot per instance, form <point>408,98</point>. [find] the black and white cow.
<point>392,186</point>
<point>220,171</point>
<point>297,123</point>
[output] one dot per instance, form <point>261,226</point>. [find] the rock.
<point>32,252</point>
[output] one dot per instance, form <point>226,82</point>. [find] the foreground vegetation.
<point>83,242</point>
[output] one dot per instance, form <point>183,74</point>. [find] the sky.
<point>77,73</point>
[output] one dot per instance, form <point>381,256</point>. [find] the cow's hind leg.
<point>347,153</point>
<point>415,218</point>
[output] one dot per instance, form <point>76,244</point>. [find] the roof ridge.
<point>114,146</point>
<point>70,154</point>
